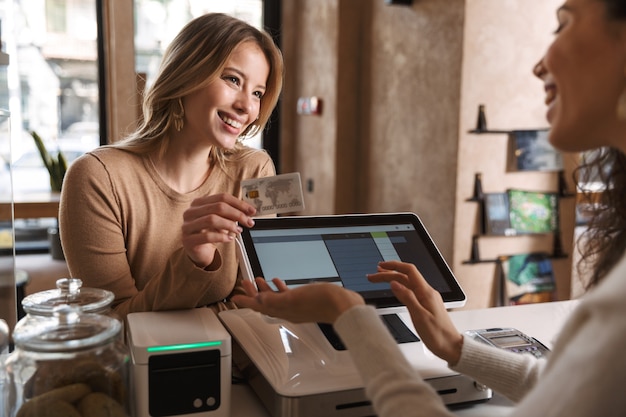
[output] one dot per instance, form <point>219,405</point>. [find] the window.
<point>51,87</point>
<point>51,83</point>
<point>55,16</point>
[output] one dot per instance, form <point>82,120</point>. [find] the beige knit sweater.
<point>120,227</point>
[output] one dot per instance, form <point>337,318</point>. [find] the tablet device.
<point>342,249</point>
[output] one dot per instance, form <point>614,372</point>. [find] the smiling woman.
<point>159,210</point>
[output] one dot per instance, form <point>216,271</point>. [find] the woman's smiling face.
<point>219,113</point>
<point>584,73</point>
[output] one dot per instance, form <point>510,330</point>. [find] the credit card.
<point>273,195</point>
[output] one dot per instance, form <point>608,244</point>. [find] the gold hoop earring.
<point>621,106</point>
<point>178,117</point>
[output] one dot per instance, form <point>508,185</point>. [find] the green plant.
<point>56,164</point>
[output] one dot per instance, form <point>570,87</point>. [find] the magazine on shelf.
<point>528,278</point>
<point>533,152</point>
<point>533,212</point>
<point>496,215</point>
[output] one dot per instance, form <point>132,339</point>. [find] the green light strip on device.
<point>182,346</point>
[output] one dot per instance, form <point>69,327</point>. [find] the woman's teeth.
<point>231,122</point>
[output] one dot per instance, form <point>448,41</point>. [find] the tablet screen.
<point>343,249</point>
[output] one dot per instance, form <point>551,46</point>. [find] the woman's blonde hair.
<point>195,58</point>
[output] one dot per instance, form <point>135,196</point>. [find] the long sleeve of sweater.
<point>584,375</point>
<point>511,374</point>
<point>121,229</point>
<point>392,385</point>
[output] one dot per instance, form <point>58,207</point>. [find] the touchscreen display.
<point>301,250</point>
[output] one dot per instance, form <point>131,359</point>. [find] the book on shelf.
<point>496,215</point>
<point>517,212</point>
<point>532,151</point>
<point>528,278</point>
<point>533,212</point>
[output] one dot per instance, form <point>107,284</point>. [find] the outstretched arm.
<point>319,302</point>
<point>390,382</point>
<point>428,313</point>
<point>323,302</point>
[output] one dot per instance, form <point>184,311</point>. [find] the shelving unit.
<point>478,197</point>
<point>502,246</point>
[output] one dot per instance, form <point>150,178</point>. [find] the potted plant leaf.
<point>56,164</point>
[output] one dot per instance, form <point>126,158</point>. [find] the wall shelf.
<point>530,144</point>
<point>557,250</point>
<point>496,260</point>
<point>494,219</point>
<point>488,132</point>
<point>503,131</point>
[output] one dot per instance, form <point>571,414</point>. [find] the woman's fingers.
<point>262,284</point>
<point>204,220</point>
<point>321,302</point>
<point>404,273</point>
<point>249,287</point>
<point>280,285</point>
<point>230,201</point>
<point>221,212</point>
<point>210,220</point>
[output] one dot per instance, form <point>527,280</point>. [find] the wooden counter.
<point>31,206</point>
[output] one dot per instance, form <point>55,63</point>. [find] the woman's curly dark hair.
<point>605,236</point>
<point>604,240</point>
<point>616,9</point>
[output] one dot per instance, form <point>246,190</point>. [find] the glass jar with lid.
<point>69,291</point>
<point>4,351</point>
<point>71,363</point>
<point>4,337</point>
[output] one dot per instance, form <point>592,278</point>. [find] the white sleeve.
<point>392,385</point>
<point>584,375</point>
<point>511,374</point>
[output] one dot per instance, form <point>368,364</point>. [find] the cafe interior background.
<point>398,84</point>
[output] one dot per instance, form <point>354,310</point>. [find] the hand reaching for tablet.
<point>324,302</point>
<point>428,313</point>
<point>317,302</point>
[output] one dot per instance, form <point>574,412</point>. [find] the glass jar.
<point>4,338</point>
<point>4,351</point>
<point>69,291</point>
<point>71,363</point>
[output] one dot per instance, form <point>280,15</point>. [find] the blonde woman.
<point>153,217</point>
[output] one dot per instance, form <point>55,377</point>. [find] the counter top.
<point>542,321</point>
